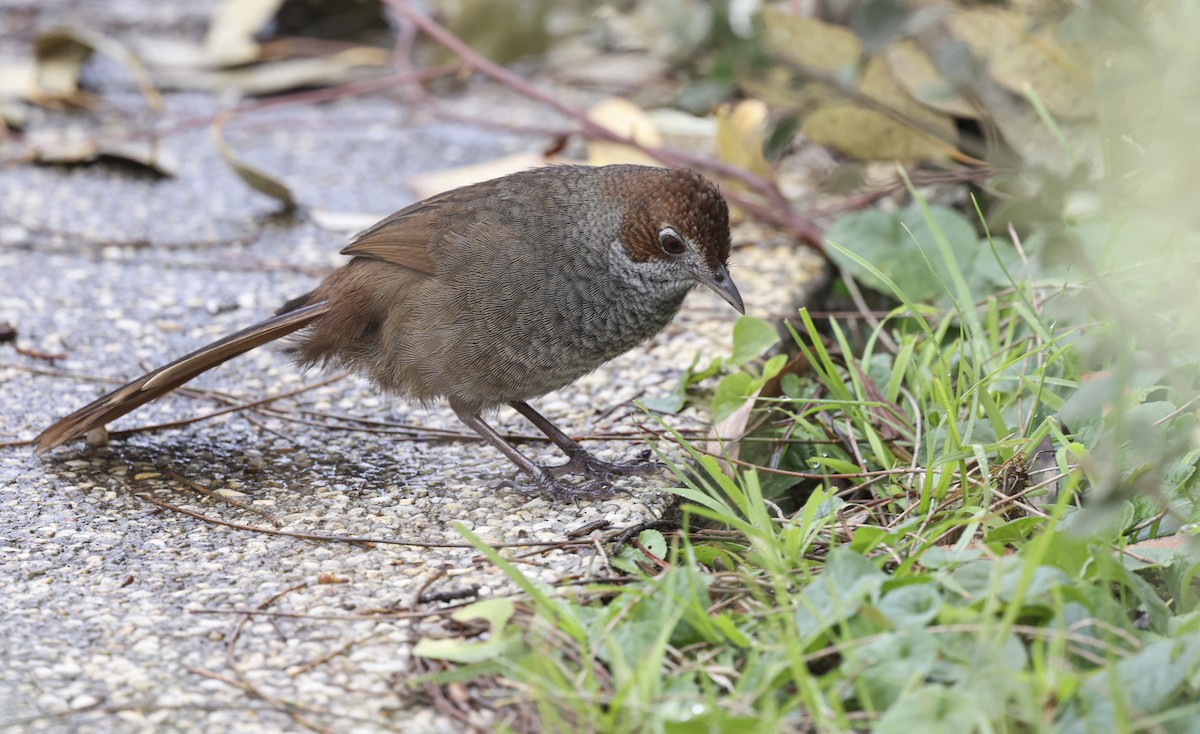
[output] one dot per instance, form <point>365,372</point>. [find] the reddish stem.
<point>776,209</point>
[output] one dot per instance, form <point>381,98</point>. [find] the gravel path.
<point>117,614</point>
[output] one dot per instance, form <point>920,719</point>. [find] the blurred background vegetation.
<point>981,428</point>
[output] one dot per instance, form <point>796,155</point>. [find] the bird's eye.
<point>671,243</point>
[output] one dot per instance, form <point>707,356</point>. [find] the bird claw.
<point>598,477</point>
<point>584,463</point>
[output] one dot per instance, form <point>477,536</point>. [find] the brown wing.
<point>423,235</point>
<point>410,237</point>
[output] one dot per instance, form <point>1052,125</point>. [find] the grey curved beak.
<point>722,284</point>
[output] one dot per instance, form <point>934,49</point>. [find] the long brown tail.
<point>168,377</point>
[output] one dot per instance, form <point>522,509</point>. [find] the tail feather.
<point>168,377</point>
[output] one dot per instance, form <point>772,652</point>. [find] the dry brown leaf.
<point>885,123</point>
<point>915,71</point>
<point>67,147</point>
<point>812,43</point>
<point>341,221</point>
<point>581,65</point>
<point>13,114</point>
<point>231,31</point>
<point>678,125</point>
<point>59,58</point>
<point>623,118</point>
<point>1026,134</point>
<point>254,177</point>
<point>281,76</point>
<point>725,437</point>
<point>425,185</point>
<point>18,79</point>
<point>740,135</point>
<point>1059,72</point>
<point>866,133</point>
<point>501,30</point>
<point>741,132</point>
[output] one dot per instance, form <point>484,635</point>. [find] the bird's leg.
<point>579,461</point>
<point>545,480</point>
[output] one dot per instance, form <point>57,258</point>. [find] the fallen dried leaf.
<point>283,75</point>
<point>435,182</point>
<point>232,29</point>
<point>73,146</point>
<point>13,114</point>
<point>871,134</point>
<point>255,178</point>
<point>1017,55</point>
<point>741,132</point>
<point>60,55</point>
<point>502,30</point>
<point>871,117</point>
<point>623,118</point>
<point>18,78</point>
<point>918,75</point>
<point>348,222</point>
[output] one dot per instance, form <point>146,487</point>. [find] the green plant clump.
<point>972,512</point>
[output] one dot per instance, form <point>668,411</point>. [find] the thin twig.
<point>231,409</point>
<point>290,709</point>
<point>364,541</point>
<point>775,208</point>
<point>168,471</point>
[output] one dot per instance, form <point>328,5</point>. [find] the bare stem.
<point>774,208</point>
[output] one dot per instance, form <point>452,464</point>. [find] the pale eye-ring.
<point>671,243</point>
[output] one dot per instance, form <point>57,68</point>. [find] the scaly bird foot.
<point>581,462</point>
